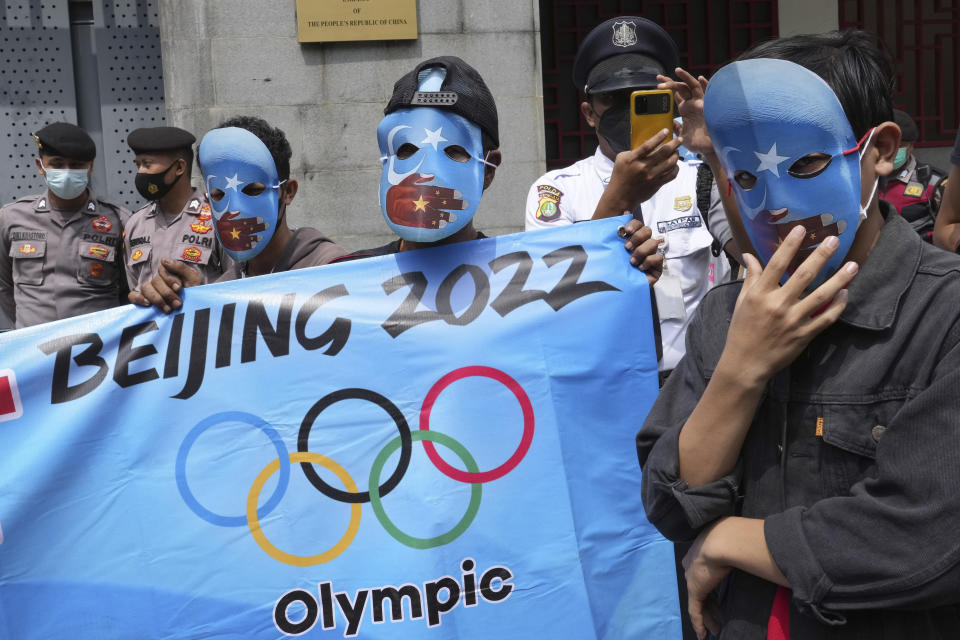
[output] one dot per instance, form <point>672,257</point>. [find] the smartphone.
<point>650,111</point>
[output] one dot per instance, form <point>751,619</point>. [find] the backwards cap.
<point>461,91</point>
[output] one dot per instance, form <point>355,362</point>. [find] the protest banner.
<point>434,444</point>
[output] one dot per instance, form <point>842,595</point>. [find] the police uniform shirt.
<point>188,237</point>
<point>569,195</point>
<point>53,266</point>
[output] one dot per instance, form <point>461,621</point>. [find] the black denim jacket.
<point>852,460</point>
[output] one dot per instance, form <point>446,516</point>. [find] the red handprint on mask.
<point>237,234</point>
<point>415,204</point>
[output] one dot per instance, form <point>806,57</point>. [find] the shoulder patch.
<point>548,209</point>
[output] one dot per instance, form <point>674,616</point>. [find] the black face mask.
<point>151,185</point>
<point>614,126</point>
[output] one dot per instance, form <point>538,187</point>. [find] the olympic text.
<point>437,597</point>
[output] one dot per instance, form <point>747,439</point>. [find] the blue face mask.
<point>243,188</point>
<point>788,148</point>
<point>432,173</point>
<point>66,183</point>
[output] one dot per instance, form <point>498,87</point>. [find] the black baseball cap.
<point>624,53</point>
<point>908,128</point>
<point>462,91</point>
<point>148,139</point>
<point>67,140</point>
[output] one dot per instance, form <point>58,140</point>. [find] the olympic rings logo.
<point>351,495</point>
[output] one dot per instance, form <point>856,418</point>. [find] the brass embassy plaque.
<point>344,20</point>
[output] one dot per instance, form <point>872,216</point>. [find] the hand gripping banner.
<point>436,444</point>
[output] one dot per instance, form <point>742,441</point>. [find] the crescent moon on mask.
<point>393,177</point>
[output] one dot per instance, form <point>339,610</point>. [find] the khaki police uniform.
<point>188,237</point>
<point>52,269</point>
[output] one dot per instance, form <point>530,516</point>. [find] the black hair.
<point>274,139</point>
<point>852,62</point>
<point>186,154</point>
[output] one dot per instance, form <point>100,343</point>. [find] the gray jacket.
<point>852,460</point>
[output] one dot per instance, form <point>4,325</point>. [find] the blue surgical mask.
<point>432,191</point>
<point>901,158</point>
<point>232,160</point>
<point>789,150</point>
<point>66,183</point>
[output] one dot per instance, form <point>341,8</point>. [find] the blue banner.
<point>433,444</point>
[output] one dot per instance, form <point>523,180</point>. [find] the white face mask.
<point>66,183</point>
<point>876,181</point>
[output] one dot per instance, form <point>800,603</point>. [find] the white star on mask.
<point>232,183</point>
<point>770,161</point>
<point>434,137</point>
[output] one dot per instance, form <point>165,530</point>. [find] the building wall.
<point>242,57</point>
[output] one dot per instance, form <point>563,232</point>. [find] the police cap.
<point>908,128</point>
<point>151,139</point>
<point>67,140</point>
<point>624,53</point>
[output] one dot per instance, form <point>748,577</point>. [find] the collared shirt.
<point>569,195</point>
<point>53,267</point>
<point>189,237</point>
<point>852,459</point>
<point>307,248</point>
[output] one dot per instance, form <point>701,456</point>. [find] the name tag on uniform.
<point>686,222</point>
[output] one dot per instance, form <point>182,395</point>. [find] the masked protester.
<point>245,164</point>
<point>618,57</point>
<point>176,221</point>
<point>914,188</point>
<point>60,250</point>
<point>439,147</point>
<point>439,144</point>
<point>808,442</point>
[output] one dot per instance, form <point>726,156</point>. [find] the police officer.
<point>617,57</point>
<point>176,222</point>
<point>914,188</point>
<point>60,250</point>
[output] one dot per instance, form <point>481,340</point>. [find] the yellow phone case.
<point>655,108</point>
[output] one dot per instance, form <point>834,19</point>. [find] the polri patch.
<point>137,255</point>
<point>192,254</point>
<point>548,209</point>
<point>683,203</point>
<point>96,269</point>
<point>98,251</point>
<point>200,227</point>
<point>27,249</point>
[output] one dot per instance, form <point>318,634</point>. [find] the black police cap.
<point>908,128</point>
<point>624,53</point>
<point>67,140</point>
<point>151,139</point>
<point>462,91</point>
